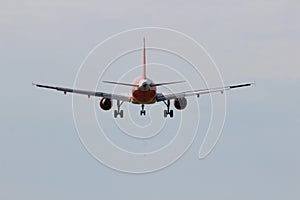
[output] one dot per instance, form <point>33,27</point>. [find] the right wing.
<point>86,92</point>
<point>163,97</point>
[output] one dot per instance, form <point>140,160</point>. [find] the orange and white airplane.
<point>143,92</point>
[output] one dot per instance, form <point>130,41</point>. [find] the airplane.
<point>143,92</point>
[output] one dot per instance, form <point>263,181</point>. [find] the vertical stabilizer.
<point>144,60</point>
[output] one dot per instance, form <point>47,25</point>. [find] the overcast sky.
<point>257,157</point>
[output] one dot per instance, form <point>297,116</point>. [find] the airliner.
<point>143,92</point>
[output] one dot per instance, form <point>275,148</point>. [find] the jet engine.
<point>180,103</point>
<point>105,104</point>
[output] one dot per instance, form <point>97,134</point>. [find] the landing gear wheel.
<point>143,112</point>
<point>171,113</point>
<point>121,113</point>
<point>165,113</point>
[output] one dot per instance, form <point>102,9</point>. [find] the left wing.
<point>163,97</point>
<point>86,92</point>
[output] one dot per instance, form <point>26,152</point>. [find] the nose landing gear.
<point>143,111</point>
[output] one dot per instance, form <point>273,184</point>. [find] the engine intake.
<point>105,104</point>
<point>180,103</point>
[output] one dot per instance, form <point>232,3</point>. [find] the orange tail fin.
<point>144,61</point>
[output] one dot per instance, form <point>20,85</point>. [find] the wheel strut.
<point>119,111</point>
<point>168,111</point>
<point>143,111</point>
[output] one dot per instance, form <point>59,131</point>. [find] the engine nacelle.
<point>105,104</point>
<point>180,103</point>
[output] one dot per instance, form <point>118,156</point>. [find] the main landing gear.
<point>143,111</point>
<point>119,112</point>
<point>168,111</point>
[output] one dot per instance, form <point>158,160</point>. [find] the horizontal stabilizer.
<point>167,83</point>
<point>135,85</point>
<point>117,83</point>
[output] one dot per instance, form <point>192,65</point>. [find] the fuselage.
<point>144,92</point>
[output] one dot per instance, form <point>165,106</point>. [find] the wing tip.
<point>242,85</point>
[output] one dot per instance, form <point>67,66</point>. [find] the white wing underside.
<point>163,97</point>
<point>159,96</point>
<point>121,97</point>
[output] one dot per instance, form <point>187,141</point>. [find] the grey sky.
<point>257,157</point>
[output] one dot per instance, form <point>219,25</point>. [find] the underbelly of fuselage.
<point>143,97</point>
